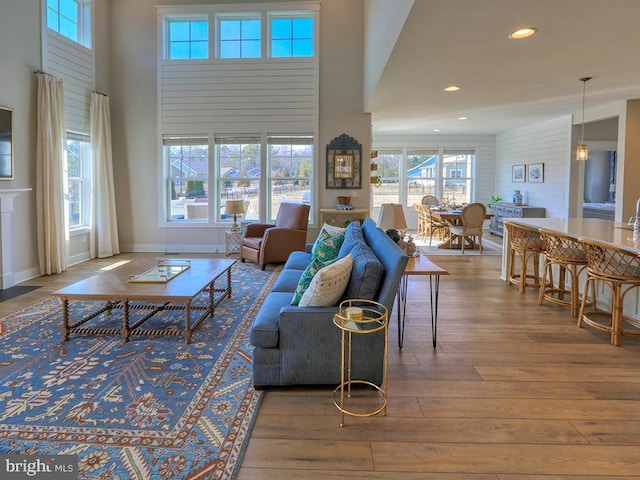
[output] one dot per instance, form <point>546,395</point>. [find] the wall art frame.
<point>535,172</point>
<point>518,173</point>
<point>6,143</point>
<point>344,163</point>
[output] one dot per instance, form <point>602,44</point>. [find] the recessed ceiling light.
<point>462,118</point>
<point>452,88</point>
<point>436,129</point>
<point>523,33</point>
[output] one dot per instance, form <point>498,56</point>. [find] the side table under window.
<point>360,317</point>
<point>233,239</point>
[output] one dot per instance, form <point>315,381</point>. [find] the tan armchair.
<point>265,243</point>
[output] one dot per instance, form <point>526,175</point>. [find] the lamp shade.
<point>234,207</point>
<point>392,217</point>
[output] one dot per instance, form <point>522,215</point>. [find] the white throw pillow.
<point>328,284</point>
<point>333,230</point>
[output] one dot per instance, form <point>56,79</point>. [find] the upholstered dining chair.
<point>266,243</point>
<point>430,200</point>
<point>473,216</point>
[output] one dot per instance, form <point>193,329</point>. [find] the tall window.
<point>457,174</point>
<point>239,37</point>
<point>239,167</point>
<point>291,170</point>
<point>188,39</point>
<point>388,189</point>
<point>422,168</point>
<point>187,160</point>
<point>291,36</point>
<point>79,180</point>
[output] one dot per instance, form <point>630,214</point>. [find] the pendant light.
<point>583,151</point>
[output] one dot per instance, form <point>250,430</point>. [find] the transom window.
<point>291,37</point>
<point>240,37</point>
<point>188,39</point>
<point>63,17</point>
<point>70,18</point>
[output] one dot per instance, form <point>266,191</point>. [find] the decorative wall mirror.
<point>344,170</point>
<point>6,143</point>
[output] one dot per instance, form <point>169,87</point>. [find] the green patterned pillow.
<point>315,265</point>
<point>327,246</point>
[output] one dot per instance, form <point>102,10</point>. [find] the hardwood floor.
<point>514,391</point>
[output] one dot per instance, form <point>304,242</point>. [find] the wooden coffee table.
<point>115,290</point>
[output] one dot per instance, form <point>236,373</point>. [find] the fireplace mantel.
<point>7,196</point>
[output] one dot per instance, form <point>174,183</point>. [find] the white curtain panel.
<point>104,223</point>
<point>53,241</point>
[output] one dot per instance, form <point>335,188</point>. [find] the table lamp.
<point>235,208</point>
<point>392,219</point>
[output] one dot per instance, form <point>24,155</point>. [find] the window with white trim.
<point>239,36</point>
<point>291,35</point>
<point>239,167</point>
<point>187,177</point>
<point>78,174</point>
<point>188,39</point>
<point>387,190</point>
<point>422,166</point>
<point>70,18</point>
<point>291,170</point>
<point>457,176</point>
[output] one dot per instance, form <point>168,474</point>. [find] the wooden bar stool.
<point>526,242</point>
<point>568,255</point>
<point>619,270</point>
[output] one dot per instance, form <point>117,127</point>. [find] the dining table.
<point>454,217</point>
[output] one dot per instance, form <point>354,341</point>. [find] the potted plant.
<point>494,199</point>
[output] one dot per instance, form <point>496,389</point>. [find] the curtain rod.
<point>100,93</point>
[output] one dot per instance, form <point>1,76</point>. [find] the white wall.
<point>19,58</point>
<point>548,143</point>
<point>137,160</point>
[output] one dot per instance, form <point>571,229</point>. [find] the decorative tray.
<point>162,273</point>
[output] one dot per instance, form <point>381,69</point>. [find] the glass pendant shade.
<point>582,153</point>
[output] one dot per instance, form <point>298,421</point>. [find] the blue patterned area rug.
<point>153,408</point>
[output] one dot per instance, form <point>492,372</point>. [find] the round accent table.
<point>360,317</point>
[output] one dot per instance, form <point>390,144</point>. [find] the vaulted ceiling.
<point>505,83</point>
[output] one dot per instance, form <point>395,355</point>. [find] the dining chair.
<point>430,200</point>
<point>472,218</point>
<point>436,226</point>
<point>423,221</point>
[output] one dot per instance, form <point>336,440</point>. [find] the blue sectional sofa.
<point>296,345</point>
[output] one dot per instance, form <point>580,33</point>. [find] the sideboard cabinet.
<point>509,210</point>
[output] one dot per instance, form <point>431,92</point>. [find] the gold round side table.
<point>360,317</point>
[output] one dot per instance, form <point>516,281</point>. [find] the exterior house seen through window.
<point>406,175</point>
<point>188,39</point>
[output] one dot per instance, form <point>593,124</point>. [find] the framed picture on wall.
<point>517,174</point>
<point>535,172</point>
